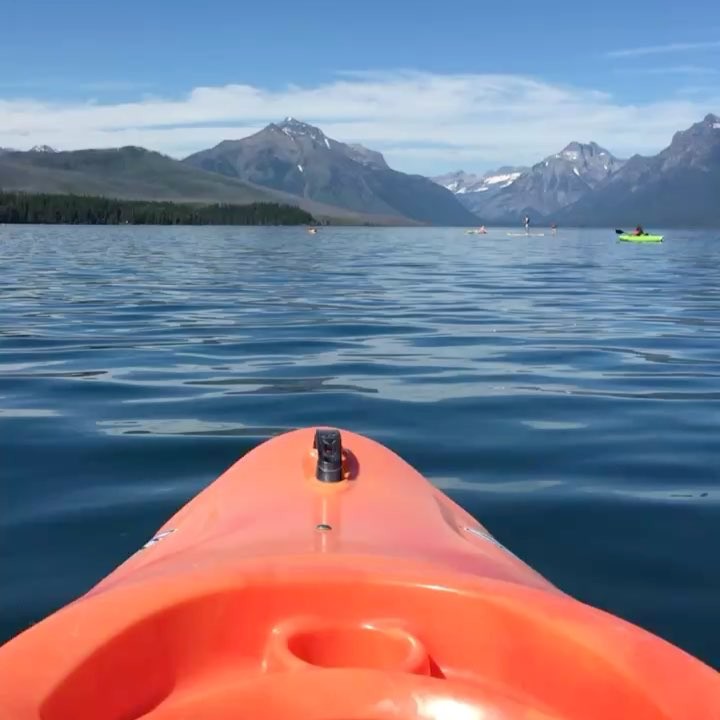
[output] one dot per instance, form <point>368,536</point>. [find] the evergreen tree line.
<point>18,207</point>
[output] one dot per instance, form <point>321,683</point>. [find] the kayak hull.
<point>640,238</point>
<point>370,595</point>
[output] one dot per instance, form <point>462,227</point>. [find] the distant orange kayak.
<point>323,578</point>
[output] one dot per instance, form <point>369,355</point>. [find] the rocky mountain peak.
<point>296,128</point>
<point>298,158</point>
<point>697,146</point>
<point>575,151</point>
<point>706,128</point>
<point>677,187</point>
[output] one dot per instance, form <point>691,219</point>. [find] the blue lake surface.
<point>565,390</point>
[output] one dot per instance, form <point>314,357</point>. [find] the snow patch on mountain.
<point>461,183</point>
<point>507,179</point>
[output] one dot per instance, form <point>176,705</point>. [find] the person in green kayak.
<point>639,230</point>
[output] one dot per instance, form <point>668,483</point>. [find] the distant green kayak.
<point>640,238</point>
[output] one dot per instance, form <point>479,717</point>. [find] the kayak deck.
<point>366,594</point>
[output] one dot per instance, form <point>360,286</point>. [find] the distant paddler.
<point>477,231</point>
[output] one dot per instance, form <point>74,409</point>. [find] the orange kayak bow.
<point>321,577</point>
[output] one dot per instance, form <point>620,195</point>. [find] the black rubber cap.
<point>328,444</point>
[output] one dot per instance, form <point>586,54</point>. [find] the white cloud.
<point>424,122</point>
<point>663,49</point>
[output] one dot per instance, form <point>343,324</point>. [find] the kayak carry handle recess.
<point>328,444</point>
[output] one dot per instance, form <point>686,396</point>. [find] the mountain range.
<point>300,159</point>
<point>134,173</point>
<point>679,186</point>
<point>294,163</point>
<point>541,190</point>
<point>585,184</point>
<point>290,162</point>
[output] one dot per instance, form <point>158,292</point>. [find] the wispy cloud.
<point>691,70</point>
<point>424,122</point>
<point>663,49</point>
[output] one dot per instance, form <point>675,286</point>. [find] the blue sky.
<point>434,85</point>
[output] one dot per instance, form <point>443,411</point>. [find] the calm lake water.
<point>565,390</point>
